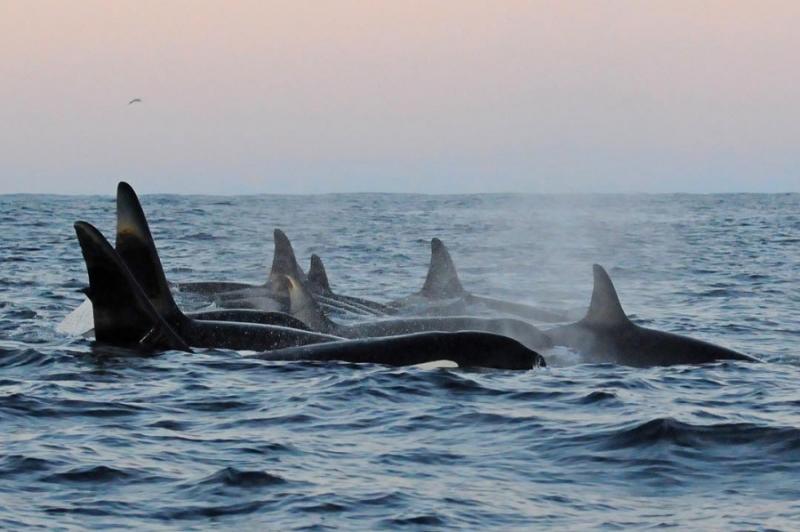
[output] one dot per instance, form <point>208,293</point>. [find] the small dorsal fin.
<point>442,281</point>
<point>605,308</point>
<point>317,274</point>
<point>304,307</point>
<point>137,249</point>
<point>284,262</point>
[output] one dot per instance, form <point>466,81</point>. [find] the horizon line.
<point>374,193</point>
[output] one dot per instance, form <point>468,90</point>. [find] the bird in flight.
<point>135,100</point>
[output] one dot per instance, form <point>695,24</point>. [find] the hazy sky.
<point>428,96</point>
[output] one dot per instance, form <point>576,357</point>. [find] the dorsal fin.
<point>605,308</point>
<point>123,314</point>
<point>137,249</point>
<point>284,262</point>
<point>304,307</point>
<point>317,274</point>
<point>442,281</point>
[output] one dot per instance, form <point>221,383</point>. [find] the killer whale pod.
<point>125,316</point>
<point>126,313</point>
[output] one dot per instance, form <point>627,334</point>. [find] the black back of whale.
<point>249,316</point>
<point>606,334</point>
<point>467,349</point>
<point>304,306</point>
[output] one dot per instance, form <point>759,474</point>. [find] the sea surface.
<point>94,437</point>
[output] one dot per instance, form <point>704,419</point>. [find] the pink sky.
<point>443,96</point>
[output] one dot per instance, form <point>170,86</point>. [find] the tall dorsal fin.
<point>304,307</point>
<point>284,262</point>
<point>605,308</point>
<point>137,249</point>
<point>317,274</point>
<point>442,281</point>
<point>123,314</point>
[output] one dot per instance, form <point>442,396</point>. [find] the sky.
<point>446,96</point>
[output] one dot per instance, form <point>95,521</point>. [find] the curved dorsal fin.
<point>137,249</point>
<point>284,262</point>
<point>304,307</point>
<point>317,274</point>
<point>123,314</point>
<point>442,281</point>
<point>605,308</point>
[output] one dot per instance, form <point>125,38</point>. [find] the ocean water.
<point>94,437</point>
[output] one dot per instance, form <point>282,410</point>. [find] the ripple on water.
<point>668,431</point>
<point>99,437</point>
<point>99,474</point>
<point>232,477</point>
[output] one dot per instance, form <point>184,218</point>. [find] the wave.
<point>14,358</point>
<point>230,476</point>
<point>93,474</point>
<point>18,464</point>
<point>668,431</point>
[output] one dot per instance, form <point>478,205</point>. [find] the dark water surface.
<point>97,438</point>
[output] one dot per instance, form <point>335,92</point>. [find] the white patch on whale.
<point>79,322</point>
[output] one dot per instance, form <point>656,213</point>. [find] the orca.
<point>606,334</point>
<point>80,321</point>
<point>255,301</point>
<point>442,287</point>
<point>466,348</point>
<point>263,299</point>
<point>283,262</point>
<point>132,225</point>
<point>249,316</point>
<point>321,287</point>
<point>443,294</point>
<point>304,307</point>
<point>135,265</point>
<point>134,243</point>
<point>266,297</point>
<point>156,310</point>
<point>269,296</point>
<point>442,280</point>
<point>317,274</point>
<point>128,314</point>
<point>125,316</point>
